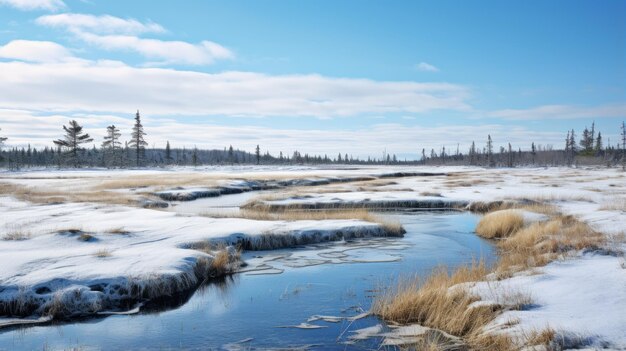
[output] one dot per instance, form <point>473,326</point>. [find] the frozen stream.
<point>281,288</point>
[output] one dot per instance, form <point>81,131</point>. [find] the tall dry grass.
<point>435,303</point>
<point>542,242</point>
<point>500,224</point>
<point>439,302</point>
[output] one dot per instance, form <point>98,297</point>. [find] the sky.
<point>359,77</point>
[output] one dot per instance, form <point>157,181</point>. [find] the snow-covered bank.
<point>583,299</point>
<point>81,259</point>
<point>131,242</point>
<point>367,200</point>
<point>241,186</point>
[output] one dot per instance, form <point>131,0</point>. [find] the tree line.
<point>70,150</point>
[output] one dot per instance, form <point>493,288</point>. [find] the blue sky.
<point>319,76</point>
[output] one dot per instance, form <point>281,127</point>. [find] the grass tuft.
<point>500,224</point>
<point>102,253</point>
<point>16,235</point>
<point>436,304</point>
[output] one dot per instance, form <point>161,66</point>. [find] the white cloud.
<point>562,112</point>
<point>105,24</point>
<point>28,5</point>
<point>168,52</point>
<point>114,33</point>
<point>35,51</point>
<point>426,67</point>
<point>107,86</point>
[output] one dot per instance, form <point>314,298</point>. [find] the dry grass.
<point>102,253</point>
<point>16,232</point>
<point>46,196</point>
<point>434,304</point>
<point>521,204</point>
<point>301,215</point>
<point>118,230</point>
<point>541,338</point>
<point>430,193</point>
<point>437,305</point>
<point>540,243</point>
<point>85,237</point>
<point>221,261</point>
<point>500,224</point>
<point>614,204</point>
<point>224,260</point>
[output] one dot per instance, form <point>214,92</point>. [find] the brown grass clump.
<point>615,204</point>
<point>500,224</point>
<point>220,261</point>
<point>102,253</point>
<point>118,230</point>
<point>541,338</point>
<point>85,237</point>
<point>16,234</point>
<point>542,242</point>
<point>437,305</point>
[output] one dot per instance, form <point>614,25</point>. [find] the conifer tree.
<point>168,153</point>
<point>111,144</point>
<point>598,146</point>
<point>74,137</point>
<point>2,140</point>
<point>258,154</point>
<point>231,154</point>
<point>137,140</point>
<point>472,153</point>
<point>489,151</point>
<point>194,156</point>
<point>623,146</point>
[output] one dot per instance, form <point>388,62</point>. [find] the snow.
<point>150,250</point>
<point>584,295</point>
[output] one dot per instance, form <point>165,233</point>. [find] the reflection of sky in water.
<point>253,306</point>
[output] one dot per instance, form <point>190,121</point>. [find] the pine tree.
<point>258,154</point>
<point>137,139</point>
<point>533,151</point>
<point>2,140</point>
<point>623,146</point>
<point>593,134</point>
<point>490,151</point>
<point>168,153</point>
<point>74,137</point>
<point>231,154</point>
<point>194,156</point>
<point>472,153</point>
<point>111,144</point>
<point>598,147</point>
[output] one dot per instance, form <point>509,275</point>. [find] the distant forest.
<point>69,151</point>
